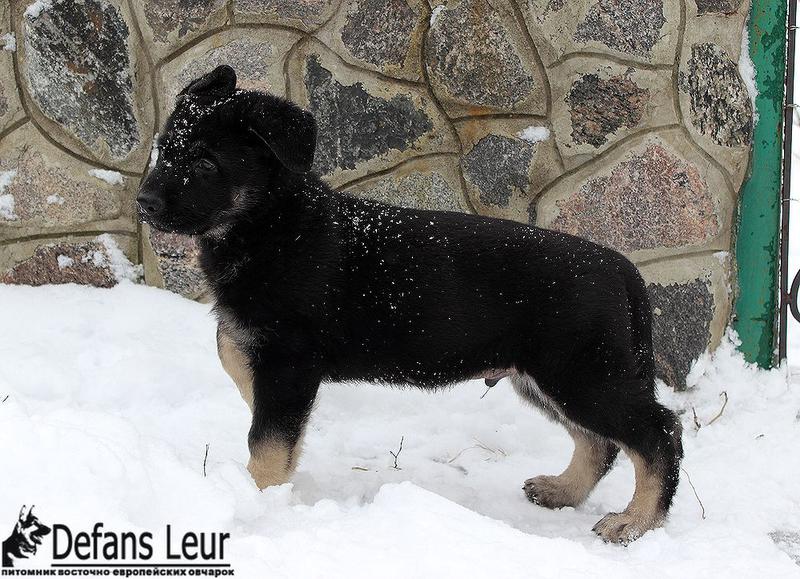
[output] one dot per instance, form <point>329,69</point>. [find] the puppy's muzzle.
<point>150,203</point>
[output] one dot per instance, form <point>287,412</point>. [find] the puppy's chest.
<point>237,327</point>
<point>252,315</point>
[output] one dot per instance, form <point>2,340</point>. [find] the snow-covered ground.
<point>114,394</point>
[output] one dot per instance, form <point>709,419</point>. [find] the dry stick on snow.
<point>396,454</point>
<point>697,424</point>
<point>463,450</point>
<point>494,451</point>
<point>481,446</point>
<point>205,460</point>
<point>694,490</point>
<point>721,410</point>
<point>4,399</point>
<point>460,452</point>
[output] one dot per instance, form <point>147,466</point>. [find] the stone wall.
<point>624,121</point>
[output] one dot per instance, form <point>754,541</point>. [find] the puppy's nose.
<point>150,202</point>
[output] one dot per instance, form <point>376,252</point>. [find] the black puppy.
<point>312,285</point>
<point>25,537</point>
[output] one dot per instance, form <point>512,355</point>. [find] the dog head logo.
<point>25,537</point>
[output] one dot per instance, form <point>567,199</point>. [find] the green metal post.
<point>760,199</point>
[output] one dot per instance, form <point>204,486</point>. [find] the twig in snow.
<point>480,445</point>
<point>205,460</point>
<point>4,399</point>
<point>721,410</point>
<point>494,451</point>
<point>396,454</point>
<point>694,490</point>
<point>697,424</point>
<point>359,468</point>
<point>485,393</point>
<point>460,452</point>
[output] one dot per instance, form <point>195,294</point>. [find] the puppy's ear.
<point>220,82</point>
<point>289,131</point>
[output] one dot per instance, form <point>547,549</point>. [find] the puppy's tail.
<point>641,323</point>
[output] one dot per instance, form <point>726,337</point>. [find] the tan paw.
<point>624,527</point>
<point>551,492</point>
<point>267,473</point>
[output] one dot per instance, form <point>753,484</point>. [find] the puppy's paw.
<point>267,473</point>
<point>624,527</point>
<point>551,492</point>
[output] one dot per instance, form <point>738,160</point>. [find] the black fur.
<point>318,285</point>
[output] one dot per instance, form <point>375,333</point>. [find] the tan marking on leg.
<point>235,364</point>
<point>296,452</point>
<point>588,465</point>
<point>643,512</point>
<point>272,462</point>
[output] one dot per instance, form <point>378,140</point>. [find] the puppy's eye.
<point>205,165</point>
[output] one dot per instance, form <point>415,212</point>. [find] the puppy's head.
<point>220,154</point>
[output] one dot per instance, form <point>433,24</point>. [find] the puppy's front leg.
<point>284,389</point>
<point>236,364</point>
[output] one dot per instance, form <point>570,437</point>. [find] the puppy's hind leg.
<point>654,447</point>
<point>591,460</point>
